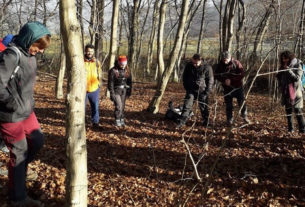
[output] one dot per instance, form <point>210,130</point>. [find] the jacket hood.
<point>30,33</point>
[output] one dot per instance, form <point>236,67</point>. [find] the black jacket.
<point>198,79</point>
<point>117,78</point>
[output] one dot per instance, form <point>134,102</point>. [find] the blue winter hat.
<point>7,39</point>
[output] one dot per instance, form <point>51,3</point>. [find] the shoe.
<point>246,120</point>
<point>95,125</point>
<point>3,172</point>
<point>205,123</point>
<point>230,122</point>
<point>3,147</point>
<point>118,122</point>
<point>122,122</point>
<point>31,175</point>
<point>27,202</point>
<point>180,125</point>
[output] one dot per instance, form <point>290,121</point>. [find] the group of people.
<point>21,131</point>
<point>198,81</point>
<point>119,85</point>
<point>19,128</point>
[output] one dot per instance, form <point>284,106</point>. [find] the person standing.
<point>290,86</point>
<point>230,73</point>
<point>119,85</point>
<point>94,76</point>
<point>18,123</point>
<point>198,82</point>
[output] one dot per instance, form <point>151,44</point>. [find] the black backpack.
<point>174,113</point>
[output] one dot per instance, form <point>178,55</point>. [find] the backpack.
<point>18,55</point>
<point>174,113</point>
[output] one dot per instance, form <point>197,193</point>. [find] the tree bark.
<point>200,37</point>
<point>61,74</point>
<point>93,22</point>
<point>155,102</point>
<point>152,38</point>
<point>241,21</point>
<point>114,32</point>
<point>76,180</point>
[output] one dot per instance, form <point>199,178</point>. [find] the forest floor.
<point>147,164</point>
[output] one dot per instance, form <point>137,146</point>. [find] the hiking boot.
<point>122,122</point>
<point>229,122</point>
<point>3,147</point>
<point>31,175</point>
<point>95,125</point>
<point>205,123</point>
<point>27,202</point>
<point>118,122</point>
<point>246,120</point>
<point>3,172</point>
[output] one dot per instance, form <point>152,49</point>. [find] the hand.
<point>11,105</point>
<point>128,93</point>
<point>227,82</point>
<point>112,97</point>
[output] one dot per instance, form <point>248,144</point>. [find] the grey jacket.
<point>292,75</point>
<point>16,94</point>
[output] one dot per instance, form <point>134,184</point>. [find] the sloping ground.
<point>146,164</point>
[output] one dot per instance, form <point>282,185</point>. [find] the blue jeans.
<point>94,104</point>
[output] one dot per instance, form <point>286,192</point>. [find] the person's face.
<point>123,64</point>
<point>226,60</point>
<point>89,53</point>
<point>285,60</point>
<point>196,63</point>
<point>34,50</point>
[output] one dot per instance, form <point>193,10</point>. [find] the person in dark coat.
<point>230,73</point>
<point>198,82</point>
<point>291,88</point>
<point>18,123</point>
<point>119,85</point>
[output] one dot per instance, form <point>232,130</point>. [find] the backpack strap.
<point>18,55</point>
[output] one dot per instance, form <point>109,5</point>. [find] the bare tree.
<point>162,83</point>
<point>114,32</point>
<point>299,44</point>
<point>200,37</point>
<point>61,74</point>
<point>76,180</point>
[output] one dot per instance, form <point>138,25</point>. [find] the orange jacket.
<point>94,75</point>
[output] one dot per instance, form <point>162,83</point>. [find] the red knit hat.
<point>122,58</point>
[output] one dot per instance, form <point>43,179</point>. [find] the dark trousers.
<point>299,117</point>
<point>24,139</point>
<point>119,103</point>
<point>237,93</point>
<point>188,105</point>
<point>93,98</point>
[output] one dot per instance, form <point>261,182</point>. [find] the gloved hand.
<point>11,104</point>
<point>128,92</point>
<point>112,97</point>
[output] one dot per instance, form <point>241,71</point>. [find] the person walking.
<point>230,73</point>
<point>18,123</point>
<point>120,86</point>
<point>290,85</point>
<point>94,76</point>
<point>198,82</point>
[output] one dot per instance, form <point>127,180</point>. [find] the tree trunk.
<point>93,22</point>
<point>200,37</point>
<point>241,21</point>
<point>298,48</point>
<point>80,18</point>
<point>99,45</point>
<point>114,32</point>
<point>160,46</point>
<point>76,180</point>
<point>133,29</point>
<point>61,74</point>
<point>228,25</point>
<point>152,38</point>
<point>155,102</point>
